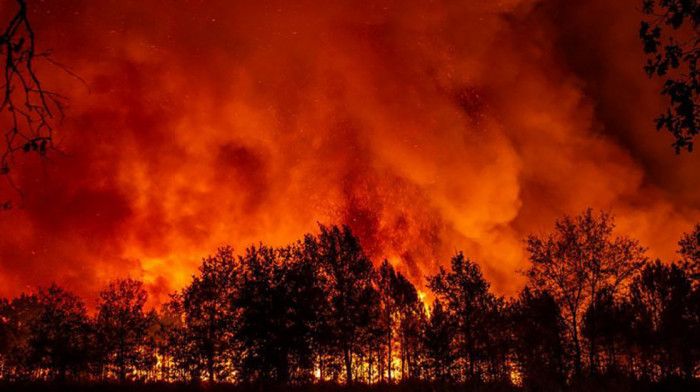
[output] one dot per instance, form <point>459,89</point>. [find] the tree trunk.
<point>403,362</point>
<point>369,371</point>
<point>592,350</point>
<point>388,344</point>
<point>282,368</point>
<point>121,362</point>
<point>577,346</point>
<point>210,366</point>
<point>321,368</point>
<point>348,363</point>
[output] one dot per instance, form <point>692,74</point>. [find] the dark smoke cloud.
<point>427,126</point>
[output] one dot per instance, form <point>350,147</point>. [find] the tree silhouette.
<point>438,333</point>
<point>608,319</point>
<point>576,262</point>
<point>16,320</point>
<point>386,282</point>
<point>498,340</point>
<point>210,316</point>
<point>60,335</point>
<point>264,310</point>
<point>411,314</point>
<point>279,301</point>
<point>122,327</point>
<point>667,309</point>
<point>466,294</point>
<point>163,338</point>
<point>308,309</point>
<point>317,311</point>
<point>181,345</point>
<point>677,22</point>
<point>28,109</point>
<point>538,329</point>
<point>348,274</point>
<point>690,253</point>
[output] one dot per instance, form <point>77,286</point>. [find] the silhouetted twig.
<point>31,110</point>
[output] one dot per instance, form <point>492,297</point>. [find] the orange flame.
<point>427,126</point>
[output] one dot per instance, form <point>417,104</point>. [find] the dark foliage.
<point>317,315</point>
<point>690,253</point>
<point>121,327</point>
<point>538,331</point>
<point>671,39</point>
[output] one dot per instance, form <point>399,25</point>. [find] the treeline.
<point>320,311</point>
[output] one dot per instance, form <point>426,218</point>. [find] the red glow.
<point>427,126</point>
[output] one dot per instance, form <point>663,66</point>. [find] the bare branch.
<point>28,109</point>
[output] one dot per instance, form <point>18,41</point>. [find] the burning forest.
<point>369,194</point>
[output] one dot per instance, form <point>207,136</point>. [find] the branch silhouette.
<point>29,110</point>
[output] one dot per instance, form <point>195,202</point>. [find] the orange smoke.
<point>427,126</point>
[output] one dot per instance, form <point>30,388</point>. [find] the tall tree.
<point>411,314</point>
<point>307,309</point>
<point>466,294</point>
<point>182,346</point>
<point>278,300</point>
<point>61,334</point>
<point>610,320</point>
<point>538,329</point>
<point>122,326</point>
<point>498,340</point>
<point>577,261</point>
<point>162,326</point>
<point>209,312</point>
<point>386,281</point>
<point>438,334</point>
<point>348,273</point>
<point>263,318</point>
<point>16,320</point>
<point>667,306</point>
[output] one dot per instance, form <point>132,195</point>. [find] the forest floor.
<point>587,385</point>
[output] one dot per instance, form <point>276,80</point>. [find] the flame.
<point>427,126</point>
<point>516,378</point>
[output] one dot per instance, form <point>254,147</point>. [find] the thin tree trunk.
<point>348,363</point>
<point>380,358</point>
<point>210,366</point>
<point>369,375</point>
<point>577,346</point>
<point>592,350</point>
<point>389,354</point>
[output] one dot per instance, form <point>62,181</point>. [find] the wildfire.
<point>428,127</point>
